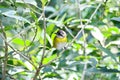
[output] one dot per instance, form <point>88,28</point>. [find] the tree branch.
<point>23,56</point>
<point>6,53</point>
<point>44,47</point>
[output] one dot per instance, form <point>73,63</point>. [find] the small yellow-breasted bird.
<point>60,40</point>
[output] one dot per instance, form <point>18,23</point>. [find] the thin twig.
<point>44,38</point>
<point>32,8</point>
<point>19,33</point>
<point>84,71</point>
<point>50,61</point>
<point>44,47</point>
<point>6,53</point>
<point>23,56</point>
<point>68,31</point>
<point>12,78</point>
<point>84,40</point>
<point>84,51</point>
<point>34,36</point>
<point>55,13</point>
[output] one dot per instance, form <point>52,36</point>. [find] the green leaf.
<point>97,34</point>
<point>44,2</point>
<point>33,2</point>
<point>50,9</point>
<point>48,59</point>
<point>72,65</point>
<point>117,42</point>
<point>33,15</point>
<point>103,70</point>
<point>15,62</point>
<point>114,30</point>
<point>63,17</point>
<point>50,28</point>
<point>107,51</point>
<point>116,19</point>
<point>94,62</point>
<point>52,75</point>
<point>68,20</point>
<point>58,23</point>
<point>28,65</point>
<point>16,70</point>
<point>47,69</point>
<point>49,39</point>
<point>21,42</point>
<point>12,14</point>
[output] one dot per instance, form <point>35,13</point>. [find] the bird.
<point>60,40</point>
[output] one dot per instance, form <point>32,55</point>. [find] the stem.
<point>84,40</point>
<point>6,53</point>
<point>44,47</point>
<point>84,71</point>
<point>42,58</point>
<point>22,55</point>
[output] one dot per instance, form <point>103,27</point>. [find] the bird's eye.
<point>60,33</point>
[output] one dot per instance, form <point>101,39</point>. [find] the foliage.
<point>27,29</point>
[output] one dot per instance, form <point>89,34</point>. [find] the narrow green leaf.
<point>63,17</point>
<point>116,19</point>
<point>68,20</point>
<point>113,42</point>
<point>44,2</point>
<point>49,39</point>
<point>16,70</point>
<point>52,75</point>
<point>103,70</point>
<point>47,69</point>
<point>33,2</point>
<point>50,9</point>
<point>93,61</point>
<point>50,28</point>
<point>21,42</point>
<point>48,59</point>
<point>12,14</point>
<point>97,34</point>
<point>107,51</point>
<point>58,23</point>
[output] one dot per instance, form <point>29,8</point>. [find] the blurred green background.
<point>94,55</point>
